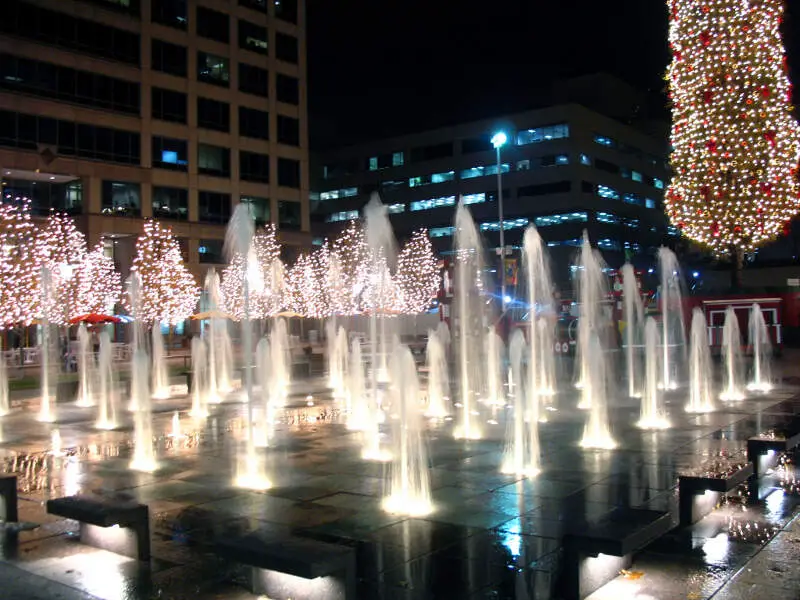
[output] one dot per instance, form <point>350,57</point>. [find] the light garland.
<point>60,248</point>
<point>418,273</point>
<point>19,279</point>
<point>96,286</point>
<point>735,144</point>
<point>350,260</point>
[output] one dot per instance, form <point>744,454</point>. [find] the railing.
<point>31,357</point>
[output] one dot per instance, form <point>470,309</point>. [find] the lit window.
<point>348,192</point>
<point>549,220</point>
<point>542,134</point>
<point>398,159</point>
<point>492,169</point>
<point>606,192</point>
<point>673,231</point>
<point>335,194</point>
<point>345,215</point>
<point>634,199</point>
<point>373,163</point>
<point>332,195</point>
<point>562,159</point>
<point>396,208</point>
<point>508,224</point>
<point>650,203</point>
<point>585,160</point>
<point>572,242</point>
<point>658,183</point>
<point>433,203</point>
<point>607,244</point>
<point>474,198</point>
<point>636,176</point>
<point>442,177</point>
<point>473,172</point>
<point>524,165</point>
<point>438,232</point>
<point>604,141</point>
<point>604,217</point>
<point>394,184</point>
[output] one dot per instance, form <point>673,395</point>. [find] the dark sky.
<point>384,67</point>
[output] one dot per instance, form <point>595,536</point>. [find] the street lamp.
<point>498,141</point>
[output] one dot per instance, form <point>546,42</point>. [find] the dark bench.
<point>292,567</point>
<point>120,526</point>
<point>595,553</point>
<point>8,498</point>
<point>690,509</point>
<point>782,438</point>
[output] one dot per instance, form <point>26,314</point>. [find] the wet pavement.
<point>490,536</point>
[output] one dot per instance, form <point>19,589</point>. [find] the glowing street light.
<point>499,140</point>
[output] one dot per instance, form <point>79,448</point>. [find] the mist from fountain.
<point>143,453</point>
<point>521,456</point>
<point>547,364</point>
<point>160,371</point>
<point>176,425</point>
<point>732,380</point>
<point>633,315</point>
<point>224,358</point>
<point>673,327</point>
<point>652,414</point>
<point>281,371</point>
<point>134,294</point>
<point>46,410</point>
<point>469,307</point>
<point>86,371</point>
<point>761,346</point>
<point>357,397</point>
<point>409,484</point>
<point>55,443</point>
<point>109,394</point>
<point>211,285</point>
<point>701,373</point>
<point>201,388</point>
<point>264,369</point>
<point>438,376</point>
<point>5,404</point>
<point>338,354</point>
<point>494,352</point>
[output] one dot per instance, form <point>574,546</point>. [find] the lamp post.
<point>498,141</point>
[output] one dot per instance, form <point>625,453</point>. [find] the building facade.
<point>119,110</point>
<point>565,168</point>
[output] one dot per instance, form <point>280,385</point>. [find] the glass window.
<point>254,80</point>
<point>46,196</point>
<point>168,105</point>
<point>479,144</point>
<point>650,203</point>
<point>438,232</point>
<point>286,10</point>
<point>372,163</point>
<point>572,242</point>
<point>288,172</point>
<point>606,166</point>
<point>574,217</point>
<point>433,203</point>
<point>168,58</point>
<point>473,198</point>
<point>553,160</point>
<point>286,48</point>
<point>634,199</point>
<point>398,159</point>
<point>259,208</point>
<point>585,160</point>
<point>213,160</point>
<point>392,185</point>
<point>211,252</point>
<point>345,215</point>
<point>542,134</point>
<point>396,208</point>
<point>288,131</point>
<point>287,89</point>
<point>171,13</point>
<point>213,115</point>
<point>605,217</point>
<point>604,141</point>
<point>212,69</point>
<point>632,223</point>
<point>212,25</point>
<point>542,189</point>
<point>636,176</point>
<point>492,169</point>
<point>253,123</point>
<point>289,214</point>
<point>253,166</point>
<point>658,183</point>
<point>348,192</point>
<point>432,152</point>
<point>512,223</point>
<point>473,172</point>
<point>252,37</point>
<point>170,203</point>
<point>524,165</point>
<point>431,179</point>
<point>169,153</point>
<point>213,207</point>
<point>607,244</point>
<point>332,195</point>
<point>121,199</point>
<point>259,5</point>
<point>607,192</point>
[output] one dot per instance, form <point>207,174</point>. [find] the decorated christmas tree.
<point>735,144</point>
<point>19,272</point>
<point>95,286</point>
<point>169,292</point>
<point>417,273</point>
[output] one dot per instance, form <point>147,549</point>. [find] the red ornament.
<point>711,146</point>
<point>765,92</point>
<point>708,96</point>
<point>787,228</point>
<point>681,225</point>
<point>715,229</point>
<point>705,38</point>
<point>770,137</point>
<point>737,229</point>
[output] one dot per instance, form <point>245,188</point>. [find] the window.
<point>288,90</point>
<point>289,214</point>
<point>211,251</point>
<point>286,48</point>
<point>608,218</point>
<point>607,192</point>
<point>170,203</point>
<point>288,172</point>
<point>542,134</point>
<point>384,161</point>
<point>585,160</point>
<point>658,183</point>
<point>127,6</point>
<point>507,224</point>
<point>433,203</point>
<point>606,166</point>
<point>286,10</point>
<point>169,105</point>
<point>63,83</point>
<point>430,179</point>
<point>288,131</point>
<point>212,25</point>
<point>673,231</point>
<point>433,152</point>
<point>542,189</point>
<point>551,160</point>
<point>572,242</point>
<point>259,208</point>
<point>253,123</point>
<point>473,198</point>
<point>345,215</point>
<point>343,193</point>
<point>169,153</point>
<point>604,141</point>
<point>168,58</point>
<point>393,185</point>
<point>253,166</point>
<point>212,69</point>
<point>575,217</point>
<point>397,208</point>
<point>20,19</point>
<point>607,244</point>
<point>252,37</point>
<point>46,196</point>
<point>481,171</point>
<point>472,145</point>
<point>650,203</point>
<point>121,199</point>
<point>524,165</point>
<point>636,176</point>
<point>634,199</point>
<point>259,5</point>
<point>213,160</point>
<point>213,115</point>
<point>438,232</point>
<point>213,207</point>
<point>253,80</point>
<point>398,159</point>
<point>171,13</point>
<point>632,223</point>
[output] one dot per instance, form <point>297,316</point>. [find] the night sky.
<point>388,67</point>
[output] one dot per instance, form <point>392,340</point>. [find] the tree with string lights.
<point>303,293</point>
<point>168,290</point>
<point>350,261</point>
<point>59,246</point>
<point>19,279</point>
<point>417,273</point>
<point>95,286</point>
<point>735,143</point>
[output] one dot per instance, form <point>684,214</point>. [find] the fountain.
<point>213,296</point>
<point>731,358</point>
<point>281,371</point>
<point>46,413</point>
<point>673,328</point>
<point>5,404</point>
<point>469,308</point>
<point>547,364</point>
<point>201,388</point>
<point>762,351</point>
<point>409,484</point>
<point>143,454</point>
<point>438,376</point>
<point>652,412</point>
<point>160,385</point>
<point>224,358</point>
<point>55,443</point>
<point>357,399</point>
<point>337,358</point>
<point>176,425</point>
<point>633,315</point>
<point>701,378</point>
<point>134,294</point>
<point>591,326</point>
<point>521,456</point>
<point>494,370</point>
<point>108,400</point>
<point>86,369</point>
<point>264,369</point>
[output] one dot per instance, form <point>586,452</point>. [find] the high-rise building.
<point>120,110</point>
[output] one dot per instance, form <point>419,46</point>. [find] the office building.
<point>119,110</point>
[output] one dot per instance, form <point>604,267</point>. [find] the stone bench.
<point>292,567</point>
<point>785,437</point>
<point>691,508</point>
<point>8,498</point>
<point>120,526</point>
<point>595,553</point>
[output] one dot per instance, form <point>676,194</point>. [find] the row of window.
<point>615,169</point>
<point>610,142</point>
<point>174,13</point>
<point>610,193</point>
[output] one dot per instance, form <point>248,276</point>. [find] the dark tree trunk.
<point>737,263</point>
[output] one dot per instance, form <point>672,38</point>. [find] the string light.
<point>735,143</point>
<point>96,286</point>
<point>417,273</point>
<point>19,279</point>
<point>350,258</point>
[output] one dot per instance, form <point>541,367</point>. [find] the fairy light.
<point>350,257</point>
<point>303,293</point>
<point>96,286</point>
<point>735,143</point>
<point>417,273</point>
<point>19,278</point>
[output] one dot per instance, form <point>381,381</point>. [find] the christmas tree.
<point>735,144</point>
<point>303,291</point>
<point>417,273</point>
<point>95,286</point>
<point>19,278</point>
<point>349,262</point>
<point>168,290</point>
<point>60,248</point>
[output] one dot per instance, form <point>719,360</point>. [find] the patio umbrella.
<point>94,319</point>
<point>289,314</point>
<point>211,314</point>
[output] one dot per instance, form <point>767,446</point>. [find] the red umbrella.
<point>94,319</point>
